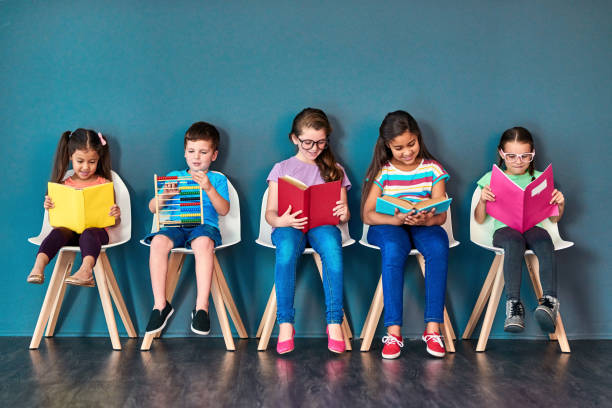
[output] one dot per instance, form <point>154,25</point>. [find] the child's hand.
<point>341,210</point>
<point>291,220</point>
<point>557,198</point>
<point>399,217</point>
<point>170,189</point>
<point>419,218</point>
<point>486,194</point>
<point>48,204</point>
<point>202,179</point>
<point>115,211</point>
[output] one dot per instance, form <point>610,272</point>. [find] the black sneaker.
<point>515,316</point>
<point>200,322</point>
<point>546,313</point>
<point>159,318</point>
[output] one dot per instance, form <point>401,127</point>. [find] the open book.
<point>316,202</point>
<point>79,209</point>
<point>388,204</point>
<point>519,208</point>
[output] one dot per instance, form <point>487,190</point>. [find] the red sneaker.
<point>435,346</point>
<point>393,346</point>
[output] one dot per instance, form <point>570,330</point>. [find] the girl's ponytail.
<point>104,163</point>
<point>62,157</point>
<point>381,155</point>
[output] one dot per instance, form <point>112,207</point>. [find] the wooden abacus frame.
<point>187,218</point>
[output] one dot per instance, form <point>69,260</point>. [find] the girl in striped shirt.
<point>402,167</point>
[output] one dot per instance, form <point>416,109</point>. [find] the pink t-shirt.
<point>305,172</point>
<point>82,184</point>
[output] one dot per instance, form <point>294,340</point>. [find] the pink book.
<point>521,209</point>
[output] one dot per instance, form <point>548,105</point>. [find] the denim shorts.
<point>182,236</point>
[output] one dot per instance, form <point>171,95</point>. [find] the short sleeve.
<point>220,185</point>
<point>380,179</point>
<point>484,180</point>
<point>275,173</point>
<point>439,173</point>
<point>345,180</point>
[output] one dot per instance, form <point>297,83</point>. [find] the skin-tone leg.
<point>203,249</point>
<point>42,260</point>
<point>285,331</point>
<point>395,330</point>
<point>85,270</point>
<point>432,327</point>
<point>335,332</point>
<point>158,265</point>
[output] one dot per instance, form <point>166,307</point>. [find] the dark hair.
<point>81,139</point>
<point>521,135</point>
<point>393,125</point>
<point>202,131</point>
<point>326,162</point>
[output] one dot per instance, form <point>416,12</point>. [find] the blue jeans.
<point>290,243</point>
<point>395,243</point>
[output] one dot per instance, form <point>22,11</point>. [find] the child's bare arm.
<point>480,213</point>
<point>220,204</point>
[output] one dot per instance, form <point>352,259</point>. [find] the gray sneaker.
<point>515,316</point>
<point>546,313</point>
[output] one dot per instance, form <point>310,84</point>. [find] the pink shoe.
<point>335,346</point>
<point>287,346</point>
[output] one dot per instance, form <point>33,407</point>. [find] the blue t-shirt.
<point>219,182</point>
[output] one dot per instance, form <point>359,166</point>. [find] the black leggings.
<point>90,241</point>
<point>514,244</point>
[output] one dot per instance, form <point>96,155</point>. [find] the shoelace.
<point>435,337</point>
<point>546,302</point>
<point>517,309</point>
<point>391,340</point>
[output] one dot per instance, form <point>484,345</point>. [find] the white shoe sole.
<point>391,356</point>
<point>201,333</point>
<point>163,325</point>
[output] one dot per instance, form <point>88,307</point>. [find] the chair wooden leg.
<point>496,292</point>
<point>446,327</point>
<point>347,328</point>
<point>346,334</point>
<point>271,298</point>
<point>268,321</point>
<point>533,266</point>
<point>369,326</point>
<point>175,266</point>
<point>107,305</point>
<point>55,283</point>
<point>484,295</point>
<point>221,313</point>
<point>57,305</point>
<point>113,288</point>
<point>229,300</point>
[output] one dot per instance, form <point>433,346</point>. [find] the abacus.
<point>181,210</point>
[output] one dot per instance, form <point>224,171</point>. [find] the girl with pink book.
<point>516,157</point>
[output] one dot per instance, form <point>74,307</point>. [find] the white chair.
<point>229,226</point>
<point>482,235</point>
<point>373,316</point>
<point>105,278</point>
<point>269,317</point>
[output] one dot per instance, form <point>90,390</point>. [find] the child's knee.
<point>161,244</point>
<point>202,245</point>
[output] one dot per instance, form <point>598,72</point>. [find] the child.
<point>402,167</point>
<point>313,164</point>
<point>516,151</point>
<point>201,149</point>
<point>89,154</point>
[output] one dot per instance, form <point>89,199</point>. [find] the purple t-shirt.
<point>305,172</point>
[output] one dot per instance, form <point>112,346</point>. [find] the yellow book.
<point>79,209</point>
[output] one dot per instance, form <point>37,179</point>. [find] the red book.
<point>519,208</point>
<point>316,202</point>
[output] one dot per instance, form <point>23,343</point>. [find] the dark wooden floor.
<point>75,372</point>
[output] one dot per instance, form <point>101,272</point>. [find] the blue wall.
<point>142,72</point>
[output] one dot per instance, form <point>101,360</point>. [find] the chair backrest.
<point>117,235</point>
<point>482,234</point>
<point>229,224</point>
<point>265,229</point>
<point>448,227</point>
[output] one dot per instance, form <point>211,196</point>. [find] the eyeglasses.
<point>525,157</point>
<point>308,144</point>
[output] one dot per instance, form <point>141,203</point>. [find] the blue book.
<point>388,204</point>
